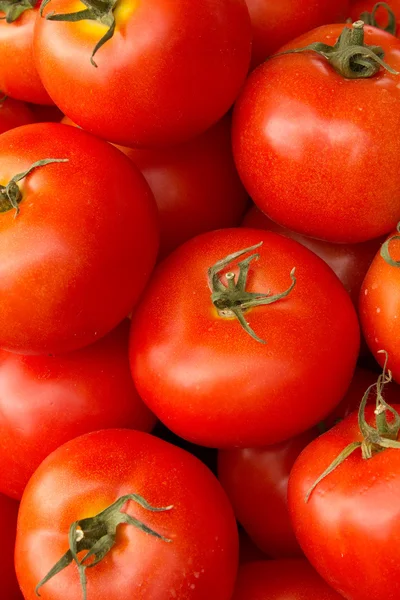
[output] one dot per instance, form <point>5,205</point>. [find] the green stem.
<point>13,9</point>
<point>101,11</point>
<point>233,300</point>
<point>385,249</point>
<point>10,194</point>
<point>98,535</point>
<point>369,18</point>
<point>350,56</point>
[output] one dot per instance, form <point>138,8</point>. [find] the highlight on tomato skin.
<point>197,557</point>
<point>47,400</point>
<point>280,580</point>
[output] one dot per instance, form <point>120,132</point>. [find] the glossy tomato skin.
<point>207,379</point>
<point>349,527</point>
<point>18,74</point>
<point>381,15</point>
<point>350,262</point>
<point>77,256</point>
<point>379,309</point>
<point>8,523</point>
<point>170,72</point>
<point>91,472</point>
<point>281,580</point>
<point>48,400</point>
<point>310,145</point>
<point>255,480</point>
<point>276,23</point>
<point>14,114</point>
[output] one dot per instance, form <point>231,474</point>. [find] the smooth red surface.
<point>207,379</point>
<point>281,580</point>
<point>18,75</point>
<point>316,152</point>
<point>350,262</point>
<point>14,114</point>
<point>8,524</point>
<point>88,474</point>
<point>48,400</point>
<point>379,309</point>
<point>350,526</point>
<point>276,23</point>
<point>78,255</point>
<point>357,8</point>
<point>255,480</point>
<point>171,70</point>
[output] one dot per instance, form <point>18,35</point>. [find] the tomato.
<point>169,72</point>
<point>14,113</point>
<point>88,474</point>
<point>48,400</point>
<point>350,525</point>
<point>316,151</point>
<point>248,551</point>
<point>275,23</point>
<point>46,114</point>
<point>215,383</point>
<point>255,480</point>
<point>362,379</point>
<point>281,580</point>
<point>18,75</point>
<point>381,17</point>
<point>75,258</point>
<point>379,308</point>
<point>8,523</point>
<point>350,262</point>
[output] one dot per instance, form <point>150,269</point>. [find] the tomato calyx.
<point>385,249</point>
<point>375,439</point>
<point>13,9</point>
<point>233,300</point>
<point>97,535</point>
<point>97,10</point>
<point>10,194</point>
<point>369,18</point>
<point>350,56</point>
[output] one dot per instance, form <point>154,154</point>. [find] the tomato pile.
<point>199,299</point>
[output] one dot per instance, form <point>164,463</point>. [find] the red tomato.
<point>380,308</point>
<point>350,262</point>
<point>8,524</point>
<point>255,480</point>
<point>275,23</point>
<point>381,14</point>
<point>88,474</point>
<point>76,257</point>
<point>281,580</point>
<point>248,551</point>
<point>316,151</point>
<point>362,379</point>
<point>46,114</point>
<point>14,113</point>
<point>170,71</point>
<point>350,525</point>
<point>18,75</point>
<point>207,378</point>
<point>48,400</point>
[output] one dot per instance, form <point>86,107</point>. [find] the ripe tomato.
<point>169,72</point>
<point>275,23</point>
<point>255,480</point>
<point>281,580</point>
<point>14,113</point>
<point>8,524</point>
<point>380,306</point>
<point>48,400</point>
<point>206,377</point>
<point>316,151</point>
<point>45,114</point>
<point>350,525</point>
<point>76,257</point>
<point>381,17</point>
<point>88,474</point>
<point>350,262</point>
<point>18,75</point>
